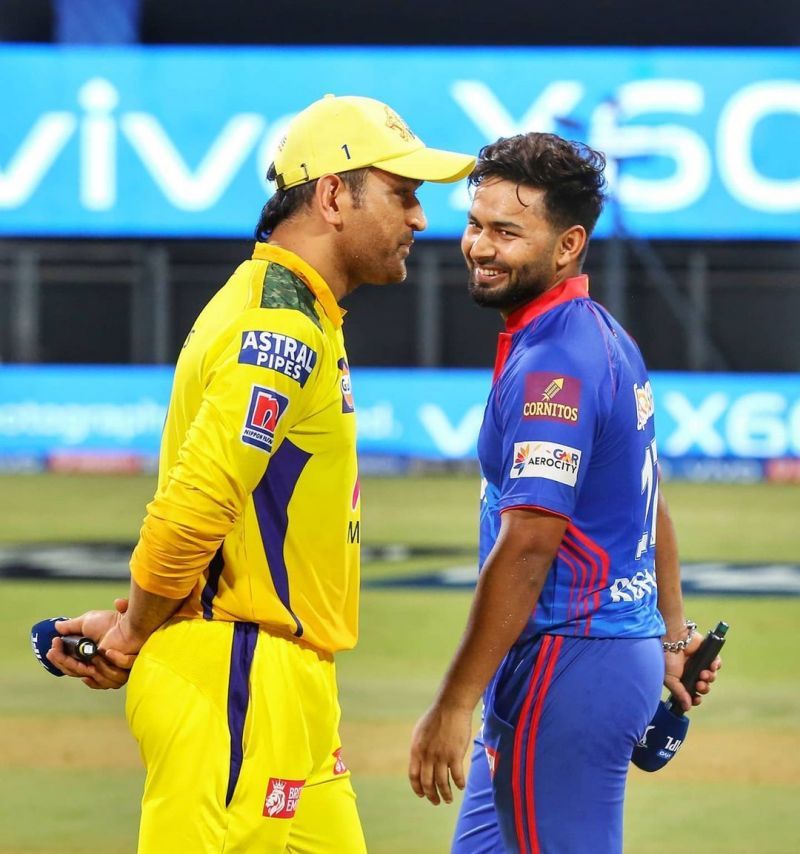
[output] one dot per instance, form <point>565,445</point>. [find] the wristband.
<point>680,646</point>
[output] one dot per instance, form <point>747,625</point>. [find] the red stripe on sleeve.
<point>601,553</point>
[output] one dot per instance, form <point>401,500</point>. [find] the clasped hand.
<point>117,647</point>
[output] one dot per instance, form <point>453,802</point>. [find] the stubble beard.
<point>524,285</point>
<point>383,266</point>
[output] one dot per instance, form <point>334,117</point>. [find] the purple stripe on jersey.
<point>243,648</point>
<point>271,499</point>
<point>215,568</point>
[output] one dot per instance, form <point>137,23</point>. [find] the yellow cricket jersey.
<point>257,512</point>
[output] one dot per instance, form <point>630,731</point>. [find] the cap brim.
<point>429,164</point>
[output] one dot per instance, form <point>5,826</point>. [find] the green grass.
<point>740,522</point>
<point>734,788</point>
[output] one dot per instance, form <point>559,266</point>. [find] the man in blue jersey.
<point>570,637</point>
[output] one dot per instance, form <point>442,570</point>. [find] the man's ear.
<point>330,194</point>
<point>570,246</point>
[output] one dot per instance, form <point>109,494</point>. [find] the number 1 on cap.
<point>346,150</point>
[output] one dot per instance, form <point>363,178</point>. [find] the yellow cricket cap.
<point>336,134</point>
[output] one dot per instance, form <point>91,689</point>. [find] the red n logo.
<point>265,414</point>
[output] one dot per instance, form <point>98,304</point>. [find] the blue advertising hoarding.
<point>53,412</point>
<point>141,141</point>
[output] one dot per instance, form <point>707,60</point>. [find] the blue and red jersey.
<point>568,428</point>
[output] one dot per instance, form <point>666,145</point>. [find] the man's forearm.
<point>148,611</point>
<point>668,574</point>
<point>507,592</point>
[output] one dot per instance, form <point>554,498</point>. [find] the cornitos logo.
<point>551,397</point>
<point>278,352</point>
<point>547,460</point>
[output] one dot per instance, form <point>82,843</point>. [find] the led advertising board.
<point>54,412</point>
<point>146,141</point>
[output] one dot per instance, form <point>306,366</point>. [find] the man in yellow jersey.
<point>245,578</point>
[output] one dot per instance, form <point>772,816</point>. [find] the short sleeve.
<point>257,383</point>
<point>551,409</point>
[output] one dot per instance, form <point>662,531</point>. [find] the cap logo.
<point>394,122</point>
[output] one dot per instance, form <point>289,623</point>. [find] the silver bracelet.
<point>680,646</point>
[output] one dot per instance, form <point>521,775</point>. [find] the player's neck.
<point>315,250</point>
<point>560,277</point>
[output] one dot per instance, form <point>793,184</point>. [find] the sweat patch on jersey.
<point>278,352</point>
<point>546,459</point>
<point>551,397</point>
<point>265,410</point>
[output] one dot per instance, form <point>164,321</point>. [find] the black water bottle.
<point>701,660</point>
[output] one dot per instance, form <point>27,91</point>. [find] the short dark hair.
<point>570,173</point>
<point>285,203</point>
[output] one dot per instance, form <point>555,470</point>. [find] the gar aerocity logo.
<point>551,397</point>
<point>546,460</point>
<point>278,352</point>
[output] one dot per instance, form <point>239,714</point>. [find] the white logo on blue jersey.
<point>631,589</point>
<point>546,459</point>
<point>645,405</point>
<point>278,352</point>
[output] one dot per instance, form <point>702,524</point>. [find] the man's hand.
<point>675,663</point>
<point>438,746</point>
<point>111,668</point>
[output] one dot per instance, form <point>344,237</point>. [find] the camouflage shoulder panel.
<point>282,289</point>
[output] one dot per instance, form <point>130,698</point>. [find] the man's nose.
<point>481,248</point>
<point>417,219</point>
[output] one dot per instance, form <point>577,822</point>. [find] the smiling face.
<point>513,252</point>
<point>381,228</point>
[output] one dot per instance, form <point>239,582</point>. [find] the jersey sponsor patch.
<point>339,767</point>
<point>263,414</point>
<point>546,459</point>
<point>282,797</point>
<point>492,759</point>
<point>645,405</point>
<point>278,352</point>
<point>551,397</point>
<point>348,404</point>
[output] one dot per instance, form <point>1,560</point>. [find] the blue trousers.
<point>561,718</point>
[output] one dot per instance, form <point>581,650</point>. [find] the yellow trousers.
<point>238,730</point>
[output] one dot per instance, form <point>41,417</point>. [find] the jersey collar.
<point>310,277</point>
<point>569,289</point>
